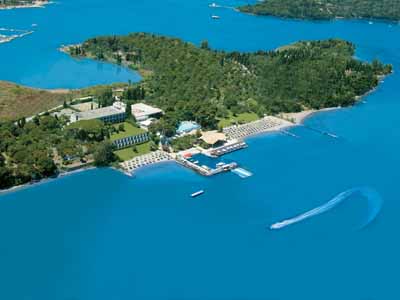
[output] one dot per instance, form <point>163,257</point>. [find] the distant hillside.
<point>327,9</point>
<point>17,101</point>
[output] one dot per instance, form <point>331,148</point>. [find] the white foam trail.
<point>370,194</point>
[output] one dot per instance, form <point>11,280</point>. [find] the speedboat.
<point>196,194</point>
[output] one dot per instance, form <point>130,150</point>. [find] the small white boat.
<point>213,5</point>
<point>194,195</point>
<point>215,17</point>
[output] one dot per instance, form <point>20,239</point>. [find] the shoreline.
<point>35,4</point>
<point>44,180</point>
<point>300,117</point>
<point>320,20</point>
<point>297,119</point>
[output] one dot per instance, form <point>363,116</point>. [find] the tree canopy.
<point>327,9</point>
<point>201,84</point>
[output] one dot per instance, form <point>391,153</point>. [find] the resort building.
<point>110,114</point>
<point>187,127</point>
<point>128,136</point>
<point>131,140</point>
<point>143,112</point>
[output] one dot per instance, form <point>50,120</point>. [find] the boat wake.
<point>374,206</point>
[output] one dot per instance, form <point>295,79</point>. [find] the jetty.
<point>242,173</point>
<point>227,148</point>
<point>329,134</point>
<point>205,170</point>
<point>288,133</point>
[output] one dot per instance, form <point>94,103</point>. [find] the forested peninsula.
<point>188,83</point>
<point>198,83</point>
<point>327,9</point>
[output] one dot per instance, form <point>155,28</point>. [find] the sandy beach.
<point>298,118</point>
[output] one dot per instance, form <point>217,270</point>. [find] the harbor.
<point>209,162</point>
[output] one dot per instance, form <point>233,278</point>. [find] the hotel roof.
<point>99,113</point>
<point>140,110</point>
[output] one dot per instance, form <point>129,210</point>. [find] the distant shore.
<point>35,4</point>
<point>8,39</point>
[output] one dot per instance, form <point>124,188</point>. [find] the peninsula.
<point>198,83</point>
<point>181,81</point>
<point>327,9</point>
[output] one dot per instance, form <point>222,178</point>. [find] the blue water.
<point>100,235</point>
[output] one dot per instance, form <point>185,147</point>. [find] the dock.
<point>228,148</point>
<point>288,133</point>
<point>328,134</point>
<point>242,173</point>
<point>205,170</point>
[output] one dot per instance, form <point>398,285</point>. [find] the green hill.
<point>197,83</point>
<point>327,9</point>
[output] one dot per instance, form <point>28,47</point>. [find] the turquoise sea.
<point>99,235</point>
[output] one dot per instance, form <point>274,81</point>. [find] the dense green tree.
<point>103,154</point>
<point>105,97</point>
<point>6,178</point>
<point>327,9</point>
<point>197,83</point>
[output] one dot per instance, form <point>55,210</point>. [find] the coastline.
<point>44,180</point>
<point>299,118</point>
<point>290,120</point>
<point>35,4</point>
<point>320,20</point>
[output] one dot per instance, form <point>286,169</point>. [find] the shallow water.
<point>101,235</point>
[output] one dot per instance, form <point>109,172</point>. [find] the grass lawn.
<point>128,153</point>
<point>241,119</point>
<point>130,130</point>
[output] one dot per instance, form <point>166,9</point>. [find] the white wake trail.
<point>373,197</point>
